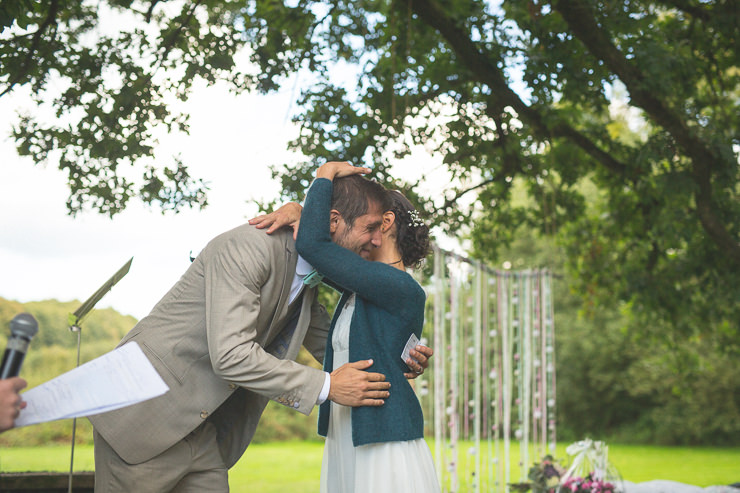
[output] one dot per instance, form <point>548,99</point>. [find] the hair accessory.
<point>415,219</point>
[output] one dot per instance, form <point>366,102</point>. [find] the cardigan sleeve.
<point>377,282</point>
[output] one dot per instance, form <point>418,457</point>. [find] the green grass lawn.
<point>702,466</point>
<point>295,466</point>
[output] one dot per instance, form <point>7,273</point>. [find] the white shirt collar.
<point>302,268</point>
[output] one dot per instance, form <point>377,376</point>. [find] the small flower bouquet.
<point>586,485</point>
<point>544,477</point>
<point>590,471</point>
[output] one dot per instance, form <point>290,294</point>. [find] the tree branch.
<point>580,19</point>
<point>451,201</point>
<point>484,70</point>
<point>150,11</point>
<point>35,42</point>
<point>696,11</point>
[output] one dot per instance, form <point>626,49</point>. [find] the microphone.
<point>22,329</point>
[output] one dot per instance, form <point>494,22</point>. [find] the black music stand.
<point>75,320</point>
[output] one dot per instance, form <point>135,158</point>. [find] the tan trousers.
<point>194,464</point>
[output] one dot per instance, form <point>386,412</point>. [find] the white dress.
<point>403,467</point>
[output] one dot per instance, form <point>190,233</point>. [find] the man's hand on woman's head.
<point>287,215</point>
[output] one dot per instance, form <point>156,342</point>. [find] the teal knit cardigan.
<point>389,307</point>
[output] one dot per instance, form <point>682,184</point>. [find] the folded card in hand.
<point>410,344</point>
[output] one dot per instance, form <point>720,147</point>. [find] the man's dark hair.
<point>348,195</point>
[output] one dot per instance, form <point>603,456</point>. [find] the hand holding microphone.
<point>10,401</point>
<point>22,329</point>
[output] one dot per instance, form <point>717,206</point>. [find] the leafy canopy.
<point>620,119</point>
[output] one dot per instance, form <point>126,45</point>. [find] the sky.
<point>47,254</point>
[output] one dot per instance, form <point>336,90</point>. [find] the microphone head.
<point>24,325</point>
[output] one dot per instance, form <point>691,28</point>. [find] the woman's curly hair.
<point>412,235</point>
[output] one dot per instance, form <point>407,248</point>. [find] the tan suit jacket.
<point>207,339</point>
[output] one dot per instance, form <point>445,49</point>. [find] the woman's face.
<point>386,232</point>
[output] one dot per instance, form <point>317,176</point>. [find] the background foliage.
<point>612,384</point>
<point>634,101</point>
<point>617,384</point>
<point>606,131</point>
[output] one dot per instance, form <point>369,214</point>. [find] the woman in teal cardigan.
<point>371,449</point>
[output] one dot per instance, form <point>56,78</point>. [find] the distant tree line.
<point>612,383</point>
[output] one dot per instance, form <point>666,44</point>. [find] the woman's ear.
<point>334,217</point>
<point>389,218</point>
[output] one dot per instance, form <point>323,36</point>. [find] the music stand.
<point>75,320</point>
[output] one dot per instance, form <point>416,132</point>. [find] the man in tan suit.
<point>224,339</point>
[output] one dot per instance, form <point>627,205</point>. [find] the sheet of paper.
<point>117,379</point>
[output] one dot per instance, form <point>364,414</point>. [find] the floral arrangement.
<point>590,472</point>
<point>544,476</point>
<point>586,485</point>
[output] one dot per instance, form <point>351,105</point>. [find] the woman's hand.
<point>419,361</point>
<point>338,169</point>
<point>287,215</point>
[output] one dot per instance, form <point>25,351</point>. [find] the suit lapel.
<point>309,294</point>
<point>281,310</point>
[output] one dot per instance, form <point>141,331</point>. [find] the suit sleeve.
<point>234,275</point>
